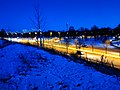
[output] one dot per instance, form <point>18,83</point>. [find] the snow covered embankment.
<point>1,42</point>
<point>116,43</point>
<point>23,67</point>
<point>4,43</point>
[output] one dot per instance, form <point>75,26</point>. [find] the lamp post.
<point>30,34</point>
<point>40,32</point>
<point>11,34</point>
<point>67,42</point>
<point>7,34</point>
<point>41,39</point>
<point>51,41</point>
<point>22,35</point>
<point>36,37</point>
<point>35,33</point>
<point>16,34</point>
<point>50,34</point>
<point>59,36</point>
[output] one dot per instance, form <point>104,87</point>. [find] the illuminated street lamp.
<point>35,33</point>
<point>40,33</point>
<point>15,34</point>
<point>11,33</point>
<point>50,33</point>
<point>67,33</point>
<point>7,34</point>
<point>77,34</point>
<point>59,36</point>
<point>30,34</point>
<point>21,34</point>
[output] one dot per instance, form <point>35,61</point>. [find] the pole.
<point>40,38</point>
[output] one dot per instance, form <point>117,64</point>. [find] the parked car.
<point>79,53</point>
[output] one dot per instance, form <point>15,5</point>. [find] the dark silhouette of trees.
<point>117,31</point>
<point>94,31</point>
<point>3,33</point>
<point>71,32</point>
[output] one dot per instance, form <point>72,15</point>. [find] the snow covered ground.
<point>96,43</point>
<point>27,68</point>
<point>1,42</point>
<point>90,42</point>
<point>116,43</point>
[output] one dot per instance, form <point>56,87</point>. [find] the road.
<point>112,56</point>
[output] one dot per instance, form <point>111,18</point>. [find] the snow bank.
<point>1,42</point>
<point>90,42</point>
<point>116,43</point>
<point>27,68</point>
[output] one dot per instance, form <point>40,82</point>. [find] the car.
<point>79,53</point>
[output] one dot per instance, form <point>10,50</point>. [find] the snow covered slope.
<point>116,43</point>
<point>28,68</point>
<point>1,42</point>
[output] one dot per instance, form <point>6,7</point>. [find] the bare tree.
<point>106,44</point>
<point>39,21</point>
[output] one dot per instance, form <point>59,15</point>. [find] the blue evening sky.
<point>15,14</point>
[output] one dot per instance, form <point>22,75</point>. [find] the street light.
<point>30,34</point>
<point>59,34</point>
<point>40,33</point>
<point>35,33</point>
<point>50,33</point>
<point>7,34</point>
<point>67,33</point>
<point>59,37</point>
